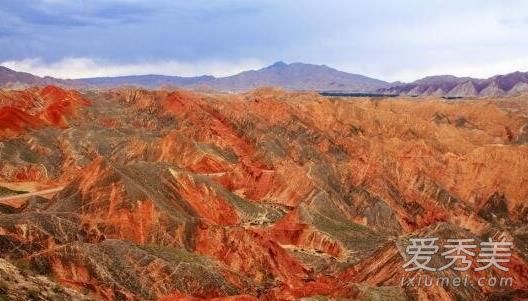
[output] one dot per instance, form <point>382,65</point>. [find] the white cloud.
<point>80,67</point>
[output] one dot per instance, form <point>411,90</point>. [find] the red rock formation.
<point>268,195</point>
<point>14,121</point>
<point>61,105</point>
<point>52,105</point>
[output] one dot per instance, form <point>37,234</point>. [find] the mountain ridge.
<point>450,86</point>
<point>293,76</point>
<point>296,77</point>
<point>15,79</point>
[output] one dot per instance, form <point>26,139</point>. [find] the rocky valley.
<point>132,194</point>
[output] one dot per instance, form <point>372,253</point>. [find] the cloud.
<point>88,67</point>
<point>379,38</point>
<point>74,13</point>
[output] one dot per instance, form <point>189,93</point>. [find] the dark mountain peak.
<point>314,66</point>
<point>279,64</point>
<point>298,66</point>
<point>207,77</point>
<point>5,69</point>
<point>298,76</point>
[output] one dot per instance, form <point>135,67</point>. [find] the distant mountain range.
<point>15,79</point>
<point>10,77</point>
<point>452,86</point>
<point>295,76</point>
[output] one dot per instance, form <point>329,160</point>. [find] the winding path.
<point>10,198</point>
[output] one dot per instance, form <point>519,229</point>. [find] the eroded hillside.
<point>131,194</point>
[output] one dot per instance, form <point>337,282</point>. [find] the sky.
<point>386,39</point>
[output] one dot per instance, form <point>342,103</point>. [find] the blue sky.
<point>391,40</point>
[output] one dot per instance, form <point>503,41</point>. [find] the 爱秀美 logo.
<point>458,254</point>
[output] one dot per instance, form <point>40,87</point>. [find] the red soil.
<point>15,121</point>
<point>33,108</point>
